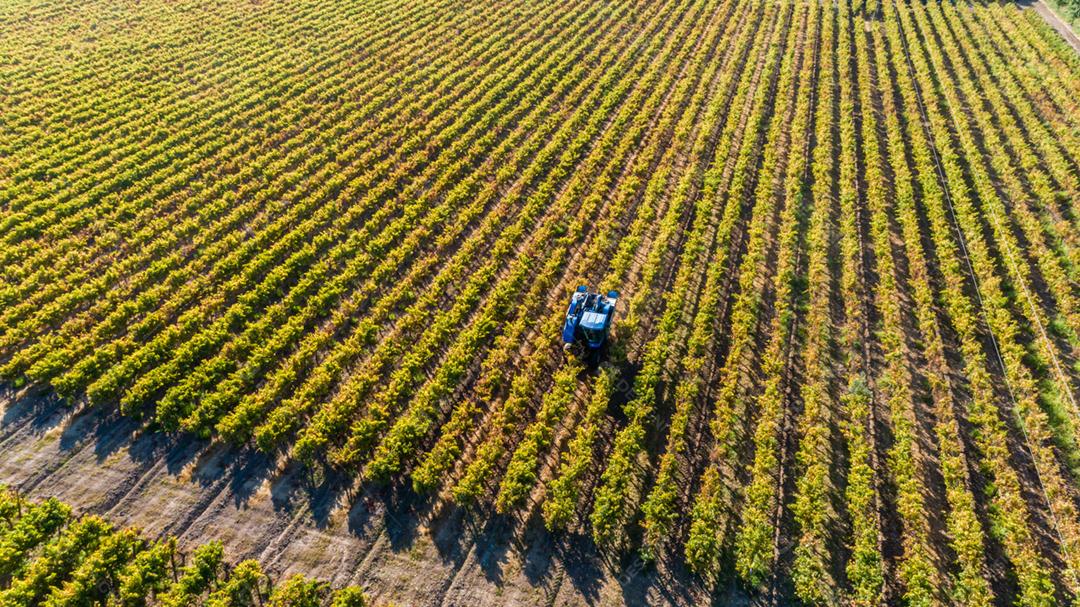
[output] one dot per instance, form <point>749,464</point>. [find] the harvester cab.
<point>588,321</point>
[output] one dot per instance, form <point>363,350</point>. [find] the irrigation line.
<point>978,294</point>
<point>786,422</point>
<point>1047,343</point>
<point>865,304</point>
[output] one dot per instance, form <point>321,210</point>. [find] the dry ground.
<point>401,549</point>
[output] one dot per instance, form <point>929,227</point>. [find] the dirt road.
<point>1057,23</point>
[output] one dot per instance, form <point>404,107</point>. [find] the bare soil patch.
<point>404,548</point>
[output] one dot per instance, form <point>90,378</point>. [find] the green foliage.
<point>34,525</point>
<point>350,596</point>
<point>146,576</point>
<point>243,587</point>
<point>198,576</point>
<point>84,561</point>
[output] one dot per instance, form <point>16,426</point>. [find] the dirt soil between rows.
<point>403,548</point>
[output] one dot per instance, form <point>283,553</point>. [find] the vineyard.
<point>339,238</point>
<point>49,557</point>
